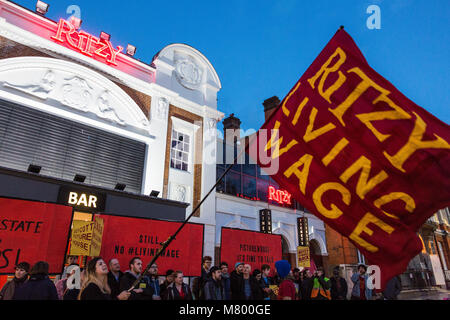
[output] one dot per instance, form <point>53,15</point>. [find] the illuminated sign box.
<point>82,199</point>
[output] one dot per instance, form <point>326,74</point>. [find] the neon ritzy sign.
<point>280,196</point>
<point>86,43</point>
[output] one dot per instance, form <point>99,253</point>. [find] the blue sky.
<point>261,48</point>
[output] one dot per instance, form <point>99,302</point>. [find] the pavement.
<point>425,294</point>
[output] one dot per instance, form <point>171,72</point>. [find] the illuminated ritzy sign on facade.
<point>280,196</point>
<point>86,43</point>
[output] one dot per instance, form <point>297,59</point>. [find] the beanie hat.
<point>237,264</point>
<point>283,267</point>
<point>24,265</point>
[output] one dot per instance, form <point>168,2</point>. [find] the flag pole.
<point>165,244</point>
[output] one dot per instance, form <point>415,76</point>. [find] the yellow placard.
<point>86,238</point>
<point>80,244</point>
<point>97,235</point>
<point>274,289</point>
<point>303,257</point>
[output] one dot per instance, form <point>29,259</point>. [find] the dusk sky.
<point>261,48</point>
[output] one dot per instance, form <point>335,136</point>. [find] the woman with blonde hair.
<point>95,285</point>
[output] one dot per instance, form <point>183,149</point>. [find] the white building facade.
<point>148,127</point>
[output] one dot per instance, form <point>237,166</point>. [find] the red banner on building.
<point>125,238</point>
<point>358,154</point>
<point>250,247</point>
<point>31,232</point>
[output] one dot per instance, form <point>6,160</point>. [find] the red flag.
<point>359,155</point>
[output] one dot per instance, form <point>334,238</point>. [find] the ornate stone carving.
<point>212,123</point>
<point>188,72</point>
<point>40,90</point>
<point>76,93</point>
<point>162,109</point>
<point>106,111</point>
<point>181,193</point>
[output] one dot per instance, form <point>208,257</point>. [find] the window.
<point>233,183</point>
<point>179,157</point>
<point>249,186</point>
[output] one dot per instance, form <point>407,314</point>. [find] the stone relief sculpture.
<point>187,71</point>
<point>162,108</point>
<point>76,93</point>
<point>181,193</point>
<point>40,90</point>
<point>106,111</point>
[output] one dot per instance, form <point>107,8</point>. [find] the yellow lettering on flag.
<point>325,71</point>
<point>312,134</point>
<point>334,212</point>
<point>367,118</point>
<point>410,204</point>
<point>335,151</point>
<point>415,143</point>
<point>276,141</point>
<point>302,175</point>
<point>362,227</point>
<point>364,184</point>
<point>283,107</point>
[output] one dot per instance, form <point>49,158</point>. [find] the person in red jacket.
<point>286,290</point>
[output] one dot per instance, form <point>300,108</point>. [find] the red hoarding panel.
<point>125,238</point>
<point>358,154</point>
<point>33,231</point>
<point>251,247</point>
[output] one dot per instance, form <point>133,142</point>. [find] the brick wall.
<point>340,250</point>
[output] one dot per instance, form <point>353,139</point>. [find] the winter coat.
<point>236,285</point>
<point>127,281</point>
<point>306,288</point>
<point>199,284</point>
<point>114,284</point>
<point>227,285</point>
<point>321,288</point>
<point>340,294</point>
<point>238,288</point>
<point>214,290</point>
<point>356,290</point>
<point>38,287</point>
<point>173,294</point>
<point>93,292</point>
<point>7,292</point>
<point>393,289</point>
<point>154,284</point>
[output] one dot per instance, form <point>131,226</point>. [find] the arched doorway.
<point>316,253</point>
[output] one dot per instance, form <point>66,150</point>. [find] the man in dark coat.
<point>306,285</point>
<point>236,281</point>
<point>226,280</point>
<point>339,286</point>
<point>200,282</point>
<point>143,290</point>
<point>114,277</point>
<point>393,289</point>
<point>39,286</point>
<point>214,288</point>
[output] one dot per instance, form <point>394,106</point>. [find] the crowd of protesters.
<point>105,281</point>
